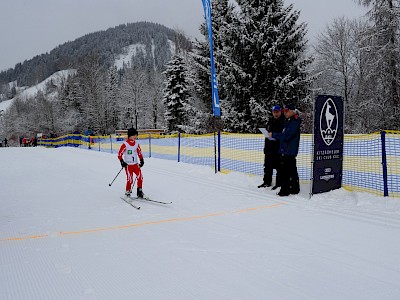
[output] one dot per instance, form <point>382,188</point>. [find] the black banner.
<point>328,144</point>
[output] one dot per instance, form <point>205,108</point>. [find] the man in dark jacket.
<point>272,158</point>
<point>289,141</point>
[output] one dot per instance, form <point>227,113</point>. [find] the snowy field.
<point>65,234</point>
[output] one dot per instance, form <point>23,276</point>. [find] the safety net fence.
<point>371,162</point>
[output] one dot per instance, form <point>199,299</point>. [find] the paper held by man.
<point>266,134</point>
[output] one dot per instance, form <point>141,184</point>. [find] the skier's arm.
<point>121,151</point>
<point>139,152</point>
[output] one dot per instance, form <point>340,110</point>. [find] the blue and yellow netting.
<point>363,164</point>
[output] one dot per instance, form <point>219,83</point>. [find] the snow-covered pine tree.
<point>176,94</point>
<point>199,81</point>
<point>273,44</point>
<point>225,38</point>
<point>231,67</point>
<point>199,75</point>
<point>259,50</point>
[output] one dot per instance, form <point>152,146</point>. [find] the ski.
<point>146,198</point>
<point>130,203</point>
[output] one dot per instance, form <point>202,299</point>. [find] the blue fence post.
<point>384,165</point>
<point>215,154</point>
<point>111,143</point>
<point>179,146</point>
<point>219,150</point>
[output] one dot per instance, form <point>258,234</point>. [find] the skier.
<point>128,156</point>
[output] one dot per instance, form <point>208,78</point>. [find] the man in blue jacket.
<point>289,141</point>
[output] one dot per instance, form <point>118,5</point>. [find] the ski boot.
<point>140,193</point>
<point>128,194</point>
<point>264,184</point>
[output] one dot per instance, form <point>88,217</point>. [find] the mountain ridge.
<point>107,45</point>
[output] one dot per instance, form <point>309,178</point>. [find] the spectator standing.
<point>272,159</point>
<point>289,141</point>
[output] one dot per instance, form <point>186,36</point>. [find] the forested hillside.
<point>106,45</point>
<point>115,81</point>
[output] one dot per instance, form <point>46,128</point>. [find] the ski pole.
<point>115,178</point>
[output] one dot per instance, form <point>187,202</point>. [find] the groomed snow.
<point>65,234</point>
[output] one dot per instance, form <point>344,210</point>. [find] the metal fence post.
<point>219,150</point>
<point>179,147</point>
<point>149,144</point>
<point>384,165</point>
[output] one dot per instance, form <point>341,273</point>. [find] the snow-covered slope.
<point>65,234</point>
<point>129,53</point>
<point>4,105</point>
<point>132,50</point>
<point>56,78</point>
<point>32,91</point>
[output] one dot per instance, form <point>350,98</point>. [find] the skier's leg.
<point>129,177</point>
<point>139,176</point>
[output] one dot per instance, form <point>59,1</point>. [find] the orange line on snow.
<point>25,238</point>
<point>64,233</point>
<point>259,207</point>
<point>140,224</point>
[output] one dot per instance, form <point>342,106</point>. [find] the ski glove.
<point>123,164</point>
<point>141,162</point>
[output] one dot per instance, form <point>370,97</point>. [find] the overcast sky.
<point>33,27</point>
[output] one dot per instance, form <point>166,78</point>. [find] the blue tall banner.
<point>328,144</point>
<point>214,85</point>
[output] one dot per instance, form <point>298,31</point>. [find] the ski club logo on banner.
<point>328,144</point>
<point>328,122</point>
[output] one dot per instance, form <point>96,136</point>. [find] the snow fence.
<point>371,162</point>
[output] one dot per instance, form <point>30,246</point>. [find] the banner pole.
<point>214,84</point>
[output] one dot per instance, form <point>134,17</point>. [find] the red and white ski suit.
<point>129,152</point>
